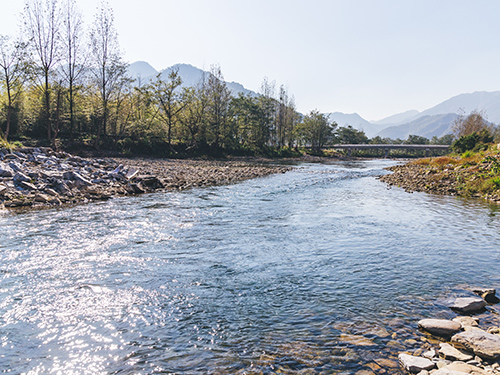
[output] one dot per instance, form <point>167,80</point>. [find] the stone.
<point>459,368</point>
<point>3,189</point>
<point>430,353</point>
<point>357,340</point>
<point>467,321</point>
<point>414,364</point>
<point>5,170</point>
<point>481,343</point>
<point>27,186</point>
<point>440,327</point>
<point>494,330</point>
<point>42,198</point>
<point>468,304</point>
<point>488,294</point>
<point>449,352</point>
<point>19,177</point>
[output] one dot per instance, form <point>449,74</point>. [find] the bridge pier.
<point>349,152</point>
<point>386,153</point>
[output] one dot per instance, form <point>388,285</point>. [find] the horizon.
<point>376,60</point>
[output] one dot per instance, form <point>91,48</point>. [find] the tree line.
<point>65,83</point>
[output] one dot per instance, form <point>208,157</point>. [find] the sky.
<point>373,57</point>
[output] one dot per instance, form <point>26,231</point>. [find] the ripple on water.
<point>321,269</point>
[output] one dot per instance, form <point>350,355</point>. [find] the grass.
<point>476,173</point>
<point>10,146</point>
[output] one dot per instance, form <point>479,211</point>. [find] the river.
<point>320,270</point>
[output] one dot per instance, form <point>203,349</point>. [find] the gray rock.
<point>11,157</point>
<point>440,327</point>
<point>481,343</point>
<point>16,166</point>
<point>5,170</point>
<point>468,304</point>
<point>3,189</point>
<point>415,364</point>
<point>458,368</point>
<point>449,352</point>
<point>27,186</point>
<point>432,353</point>
<point>467,321</point>
<point>81,180</point>
<point>488,294</point>
<point>21,177</point>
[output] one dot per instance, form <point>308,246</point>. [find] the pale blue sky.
<point>373,57</point>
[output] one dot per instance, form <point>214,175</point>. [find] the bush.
<point>474,141</point>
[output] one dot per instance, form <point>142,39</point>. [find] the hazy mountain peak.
<point>141,69</point>
<point>399,118</point>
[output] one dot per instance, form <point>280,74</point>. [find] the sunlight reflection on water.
<point>315,269</point>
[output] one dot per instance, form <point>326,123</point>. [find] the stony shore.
<point>41,177</point>
<point>443,179</point>
<point>462,345</point>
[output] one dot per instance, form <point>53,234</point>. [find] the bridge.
<point>388,147</point>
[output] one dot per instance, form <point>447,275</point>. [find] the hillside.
<point>356,121</point>
<point>425,126</point>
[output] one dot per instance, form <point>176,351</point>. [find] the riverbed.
<point>323,269</point>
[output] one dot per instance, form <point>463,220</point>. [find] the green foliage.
<point>315,130</point>
<point>474,141</point>
<point>416,140</point>
<point>351,136</point>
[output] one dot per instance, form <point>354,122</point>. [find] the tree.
<point>316,130</point>
<point>416,140</point>
<point>108,66</point>
<point>218,99</point>
<point>168,98</point>
<point>42,23</point>
<point>252,121</point>
<point>475,122</point>
<point>349,135</point>
<point>13,73</point>
<point>75,55</point>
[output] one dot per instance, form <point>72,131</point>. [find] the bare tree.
<point>108,65</point>
<point>13,65</point>
<point>42,23</point>
<point>75,54</point>
<point>474,122</point>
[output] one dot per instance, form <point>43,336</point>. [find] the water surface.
<point>322,269</point>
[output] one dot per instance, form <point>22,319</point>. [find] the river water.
<point>320,270</point>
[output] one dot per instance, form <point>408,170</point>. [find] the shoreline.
<point>41,177</point>
<point>441,179</point>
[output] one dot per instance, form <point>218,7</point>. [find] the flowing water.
<point>317,271</point>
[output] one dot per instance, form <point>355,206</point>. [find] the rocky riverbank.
<point>477,176</point>
<point>41,177</point>
<point>461,346</point>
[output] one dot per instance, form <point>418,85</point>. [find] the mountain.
<point>398,119</point>
<point>489,102</point>
<point>425,126</point>
<point>356,121</point>
<point>142,71</point>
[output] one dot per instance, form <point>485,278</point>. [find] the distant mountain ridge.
<point>190,75</point>
<point>436,121</point>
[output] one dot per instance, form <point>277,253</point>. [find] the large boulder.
<point>414,364</point>
<point>440,327</point>
<point>481,343</point>
<point>468,304</point>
